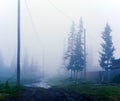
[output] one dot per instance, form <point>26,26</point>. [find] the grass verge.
<point>106,91</point>
<point>9,91</point>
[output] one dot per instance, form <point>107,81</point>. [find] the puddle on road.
<point>38,84</point>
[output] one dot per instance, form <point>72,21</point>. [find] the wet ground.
<point>51,94</point>
<point>38,84</point>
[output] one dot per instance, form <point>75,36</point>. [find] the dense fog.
<point>45,25</point>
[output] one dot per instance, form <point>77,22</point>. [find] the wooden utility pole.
<point>18,46</point>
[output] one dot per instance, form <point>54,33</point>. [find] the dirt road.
<point>51,94</point>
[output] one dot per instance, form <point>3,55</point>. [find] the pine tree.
<point>75,52</point>
<point>79,50</point>
<point>106,55</point>
<point>69,55</point>
<point>70,48</point>
<point>79,59</point>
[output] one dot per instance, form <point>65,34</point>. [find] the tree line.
<point>30,69</point>
<point>75,55</point>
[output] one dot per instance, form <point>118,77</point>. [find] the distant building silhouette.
<point>115,64</point>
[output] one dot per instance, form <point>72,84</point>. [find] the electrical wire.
<point>33,26</point>
<point>60,11</point>
<point>63,13</point>
<point>32,21</point>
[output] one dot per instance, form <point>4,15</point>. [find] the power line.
<point>59,10</point>
<point>32,21</point>
<point>33,25</point>
<point>52,4</point>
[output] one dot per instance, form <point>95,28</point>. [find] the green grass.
<point>101,91</point>
<point>109,92</point>
<point>9,91</point>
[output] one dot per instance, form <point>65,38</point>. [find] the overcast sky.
<point>46,23</point>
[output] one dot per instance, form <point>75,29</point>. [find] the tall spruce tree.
<point>75,52</point>
<point>106,55</point>
<point>79,59</point>
<point>79,48</point>
<point>69,55</point>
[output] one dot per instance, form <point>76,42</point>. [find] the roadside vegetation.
<point>9,91</point>
<point>100,91</point>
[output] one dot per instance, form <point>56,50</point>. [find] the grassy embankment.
<point>106,91</point>
<point>8,91</point>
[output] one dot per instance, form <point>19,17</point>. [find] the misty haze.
<point>59,50</point>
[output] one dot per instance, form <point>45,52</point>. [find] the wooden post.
<point>18,46</point>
